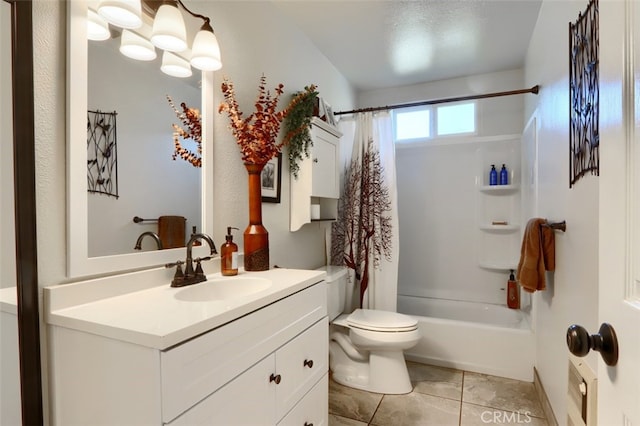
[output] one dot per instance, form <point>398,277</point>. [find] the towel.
<point>538,254</point>
<point>171,230</point>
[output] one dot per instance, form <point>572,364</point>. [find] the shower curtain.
<point>365,236</point>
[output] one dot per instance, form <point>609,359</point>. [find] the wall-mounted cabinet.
<point>315,192</point>
<point>498,207</point>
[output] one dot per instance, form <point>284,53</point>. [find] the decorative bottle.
<point>493,175</point>
<point>513,296</point>
<point>504,176</point>
<point>229,255</point>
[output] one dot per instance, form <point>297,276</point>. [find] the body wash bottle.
<point>504,176</point>
<point>493,175</point>
<point>229,255</point>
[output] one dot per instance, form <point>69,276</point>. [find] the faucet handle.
<point>176,263</point>
<point>202,259</point>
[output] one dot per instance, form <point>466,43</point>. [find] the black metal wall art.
<point>584,95</point>
<point>102,155</point>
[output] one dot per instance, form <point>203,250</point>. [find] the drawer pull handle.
<point>308,363</point>
<point>308,424</point>
<point>275,378</point>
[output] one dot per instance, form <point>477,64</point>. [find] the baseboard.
<point>544,400</point>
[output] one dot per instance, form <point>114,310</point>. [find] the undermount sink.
<point>223,289</point>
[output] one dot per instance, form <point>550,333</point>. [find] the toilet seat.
<point>381,321</point>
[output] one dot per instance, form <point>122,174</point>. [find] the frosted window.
<point>453,119</point>
<point>412,124</point>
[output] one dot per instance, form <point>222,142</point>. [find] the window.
<point>416,124</point>
<point>411,124</point>
<point>455,119</point>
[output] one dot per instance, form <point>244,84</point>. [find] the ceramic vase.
<point>256,237</point>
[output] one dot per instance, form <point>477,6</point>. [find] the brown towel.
<point>171,230</point>
<point>538,254</point>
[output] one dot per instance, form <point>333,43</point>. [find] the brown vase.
<point>256,237</point>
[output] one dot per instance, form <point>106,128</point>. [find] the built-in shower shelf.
<point>499,189</point>
<point>499,228</point>
<point>498,266</point>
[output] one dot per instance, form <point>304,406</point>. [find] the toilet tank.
<point>336,289</point>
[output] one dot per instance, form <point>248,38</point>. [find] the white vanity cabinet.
<point>318,181</point>
<point>267,367</point>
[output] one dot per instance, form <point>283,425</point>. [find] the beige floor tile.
<point>343,421</point>
<point>501,393</point>
<point>352,403</point>
<point>436,381</point>
<point>416,409</point>
<point>476,415</point>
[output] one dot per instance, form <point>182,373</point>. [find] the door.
<point>619,229</point>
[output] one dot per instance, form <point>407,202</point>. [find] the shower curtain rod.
<point>533,90</point>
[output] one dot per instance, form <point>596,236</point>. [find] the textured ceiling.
<point>387,43</point>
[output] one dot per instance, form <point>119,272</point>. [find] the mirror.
<point>102,233</point>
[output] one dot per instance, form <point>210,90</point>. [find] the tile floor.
<point>440,397</point>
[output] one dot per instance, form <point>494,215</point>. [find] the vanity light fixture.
<point>123,13</point>
<point>97,27</point>
<point>175,66</point>
<point>169,32</point>
<point>136,47</point>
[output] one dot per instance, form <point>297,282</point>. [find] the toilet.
<point>366,346</point>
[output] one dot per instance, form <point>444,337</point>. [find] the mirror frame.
<point>78,261</point>
<point>25,212</point>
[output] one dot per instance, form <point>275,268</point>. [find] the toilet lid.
<point>370,319</point>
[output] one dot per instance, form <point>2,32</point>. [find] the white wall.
<point>7,231</point>
<point>150,183</point>
<point>572,295</point>
<point>439,205</point>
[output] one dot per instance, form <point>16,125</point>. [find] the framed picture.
<point>271,179</point>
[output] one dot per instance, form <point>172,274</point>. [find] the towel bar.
<point>138,219</point>
<point>560,226</point>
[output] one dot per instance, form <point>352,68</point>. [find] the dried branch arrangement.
<point>190,118</point>
<point>256,134</point>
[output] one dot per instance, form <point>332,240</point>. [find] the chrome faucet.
<point>153,235</point>
<point>191,275</point>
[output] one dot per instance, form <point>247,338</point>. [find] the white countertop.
<point>154,317</point>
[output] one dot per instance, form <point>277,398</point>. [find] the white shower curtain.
<point>365,132</point>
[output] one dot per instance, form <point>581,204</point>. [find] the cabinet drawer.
<point>192,371</point>
<point>313,409</point>
<point>301,363</point>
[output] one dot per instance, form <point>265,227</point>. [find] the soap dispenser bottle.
<point>513,296</point>
<point>493,175</point>
<point>504,176</point>
<point>229,255</point>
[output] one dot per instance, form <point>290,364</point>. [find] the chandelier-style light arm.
<point>197,15</point>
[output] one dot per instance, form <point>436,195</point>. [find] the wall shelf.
<point>499,189</point>
<point>499,266</point>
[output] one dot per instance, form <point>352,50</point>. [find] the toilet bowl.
<point>366,346</point>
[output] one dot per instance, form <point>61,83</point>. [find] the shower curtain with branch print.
<point>365,236</point>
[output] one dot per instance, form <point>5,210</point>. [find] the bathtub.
<point>478,337</point>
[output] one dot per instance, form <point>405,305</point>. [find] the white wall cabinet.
<point>267,367</point>
<point>318,181</point>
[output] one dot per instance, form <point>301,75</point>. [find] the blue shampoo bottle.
<point>504,176</point>
<point>493,175</point>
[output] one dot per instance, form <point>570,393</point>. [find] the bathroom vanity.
<point>250,349</point>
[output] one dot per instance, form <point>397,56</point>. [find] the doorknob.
<point>580,342</point>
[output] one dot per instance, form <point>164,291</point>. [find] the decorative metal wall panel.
<point>584,95</point>
<point>102,153</point>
